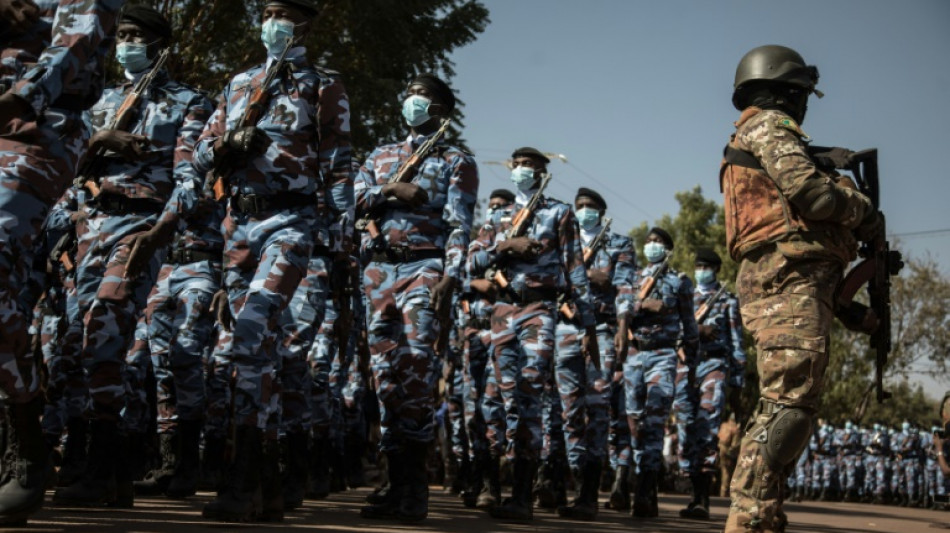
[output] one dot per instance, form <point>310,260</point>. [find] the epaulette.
<point>789,124</point>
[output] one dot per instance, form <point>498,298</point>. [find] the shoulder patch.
<point>792,126</point>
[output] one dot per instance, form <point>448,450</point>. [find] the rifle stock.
<point>646,288</point>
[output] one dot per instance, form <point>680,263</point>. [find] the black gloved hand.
<point>250,141</point>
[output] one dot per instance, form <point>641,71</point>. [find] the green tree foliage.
<point>376,45</point>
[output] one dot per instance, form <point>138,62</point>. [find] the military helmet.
<point>774,63</point>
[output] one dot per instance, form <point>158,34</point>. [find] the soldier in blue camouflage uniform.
<point>584,390</point>
<point>721,362</point>
<point>536,269</point>
<point>851,467</point>
<point>412,268</point>
<point>660,320</point>
<point>484,489</point>
<point>273,171</point>
<point>909,453</point>
<point>129,174</point>
<point>49,73</point>
<point>827,463</point>
<point>877,450</point>
<point>933,477</point>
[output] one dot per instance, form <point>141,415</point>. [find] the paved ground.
<point>341,513</point>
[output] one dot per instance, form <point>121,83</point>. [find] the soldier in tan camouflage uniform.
<point>792,227</point>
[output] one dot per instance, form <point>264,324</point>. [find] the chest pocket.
<point>430,179</point>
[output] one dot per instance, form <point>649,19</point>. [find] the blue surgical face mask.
<point>655,251</point>
<point>588,218</point>
<point>523,178</point>
<point>133,56</point>
<point>415,110</point>
<point>274,35</point>
<point>705,276</point>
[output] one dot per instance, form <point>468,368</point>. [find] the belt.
<point>182,256</point>
<point>405,255</point>
<point>528,296</point>
<point>650,344</point>
<point>259,203</point>
<point>115,204</point>
<point>70,102</point>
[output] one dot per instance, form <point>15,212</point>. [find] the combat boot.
<point>587,481</point>
<point>184,481</point>
<point>385,503</point>
<point>294,448</point>
<point>414,505</point>
<point>475,481</point>
<point>545,493</point>
<point>698,509</point>
<point>319,487</point>
<point>518,506</point>
<point>620,491</point>
<point>74,452</point>
<point>212,460</point>
<point>25,463</point>
<point>272,496</point>
<point>645,503</point>
<point>490,495</point>
<point>157,480</point>
<point>337,467</point>
<point>97,486</point>
<point>353,456</point>
<point>239,499</point>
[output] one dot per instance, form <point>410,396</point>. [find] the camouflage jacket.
<point>72,63</point>
<point>448,175</point>
<point>480,307</point>
<point>757,206</point>
<point>21,51</point>
<point>559,265</point>
<point>616,258</point>
<point>724,317</point>
<point>308,121</point>
<point>675,322</point>
<point>171,115</point>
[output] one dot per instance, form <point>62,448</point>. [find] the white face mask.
<point>415,110</point>
<point>654,251</point>
<point>275,33</point>
<point>523,178</point>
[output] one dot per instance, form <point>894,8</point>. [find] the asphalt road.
<point>341,513</point>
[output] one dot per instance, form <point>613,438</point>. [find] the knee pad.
<point>784,436</point>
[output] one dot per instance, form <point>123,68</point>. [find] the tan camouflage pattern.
<point>786,303</point>
<point>756,203</point>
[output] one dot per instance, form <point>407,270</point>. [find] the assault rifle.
<point>649,284</point>
<point>566,308</point>
<point>87,177</point>
<point>253,112</point>
<point>64,251</point>
<point>708,304</point>
<point>879,262</point>
<point>519,225</point>
<point>406,173</point>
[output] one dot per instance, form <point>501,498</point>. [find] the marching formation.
<point>224,278</point>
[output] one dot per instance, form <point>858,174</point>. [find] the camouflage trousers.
<point>584,395</point>
<point>347,383</point>
<point>37,162</point>
<point>825,472</point>
<point>219,377</point>
<point>523,342</point>
<point>52,327</point>
<point>934,478</point>
<point>265,260</point>
<point>455,400</point>
<point>618,441</point>
<point>911,480</point>
<point>321,358</point>
<point>852,472</point>
<point>180,332</point>
<point>475,373</point>
<point>648,384</point>
<point>109,306</point>
<point>874,466</point>
<point>802,472</point>
<point>787,305</point>
<point>402,329</point>
<point>552,423</point>
<point>699,415</point>
<point>301,374</point>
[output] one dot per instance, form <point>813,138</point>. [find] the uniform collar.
<point>588,235</point>
<point>293,55</point>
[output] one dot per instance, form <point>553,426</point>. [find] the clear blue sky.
<point>637,95</point>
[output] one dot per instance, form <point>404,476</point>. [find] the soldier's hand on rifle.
<point>521,247</point>
<point>707,332</point>
<point>599,279</point>
<point>221,309</point>
<point>870,226</point>
<point>484,287</point>
<point>622,339</point>
<point>591,347</point>
<point>19,14</point>
<point>247,141</point>
<point>128,145</point>
<point>144,246</point>
<point>651,305</point>
<point>407,193</point>
<point>11,107</point>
